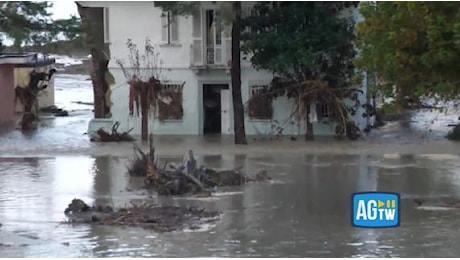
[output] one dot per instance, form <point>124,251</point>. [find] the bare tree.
<point>143,74</point>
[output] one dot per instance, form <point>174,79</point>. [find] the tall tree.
<point>309,48</point>
<point>238,108</point>
<point>24,22</point>
<point>30,23</point>
<point>233,17</point>
<point>410,47</point>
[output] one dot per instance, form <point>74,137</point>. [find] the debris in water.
<point>77,206</point>
<point>103,136</point>
<point>188,178</point>
<point>54,110</point>
<point>158,218</point>
<point>452,203</point>
<point>83,103</point>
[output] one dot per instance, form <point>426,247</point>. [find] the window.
<point>214,29</point>
<point>323,110</point>
<point>106,25</point>
<point>260,102</point>
<point>169,28</point>
<point>170,102</point>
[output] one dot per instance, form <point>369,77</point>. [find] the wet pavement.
<point>305,212</point>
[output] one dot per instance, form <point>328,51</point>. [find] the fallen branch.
<point>158,218</point>
<point>186,179</point>
<point>104,136</point>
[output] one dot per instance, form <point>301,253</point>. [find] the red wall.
<point>6,95</point>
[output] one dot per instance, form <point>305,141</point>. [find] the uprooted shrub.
<point>186,179</point>
<point>318,91</point>
<point>103,136</point>
<point>157,218</point>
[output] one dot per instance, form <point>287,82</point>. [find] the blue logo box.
<point>376,209</point>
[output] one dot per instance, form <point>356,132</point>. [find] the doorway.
<point>215,102</point>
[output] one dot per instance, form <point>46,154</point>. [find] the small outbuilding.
<point>14,72</point>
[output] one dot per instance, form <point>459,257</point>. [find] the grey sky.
<point>64,9</point>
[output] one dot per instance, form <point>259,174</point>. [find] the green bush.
<point>454,134</point>
<point>388,108</point>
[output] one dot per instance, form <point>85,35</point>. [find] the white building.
<point>195,55</point>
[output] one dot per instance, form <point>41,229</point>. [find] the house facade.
<point>195,54</point>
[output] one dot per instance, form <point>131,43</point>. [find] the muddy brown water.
<point>304,212</point>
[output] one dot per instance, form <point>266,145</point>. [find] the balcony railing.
<point>210,55</point>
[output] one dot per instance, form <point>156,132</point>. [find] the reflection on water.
<point>304,213</point>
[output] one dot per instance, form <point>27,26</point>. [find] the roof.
<point>25,59</point>
<point>91,3</point>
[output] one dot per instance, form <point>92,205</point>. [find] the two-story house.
<point>196,52</point>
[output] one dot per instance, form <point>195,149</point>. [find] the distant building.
<point>14,72</point>
<point>196,54</point>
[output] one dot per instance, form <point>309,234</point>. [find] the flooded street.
<point>304,212</point>
<point>60,133</point>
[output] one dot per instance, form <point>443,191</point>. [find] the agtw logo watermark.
<point>375,209</point>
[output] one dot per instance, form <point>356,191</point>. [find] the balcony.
<point>210,56</point>
<point>211,41</point>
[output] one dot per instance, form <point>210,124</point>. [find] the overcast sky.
<point>64,9</point>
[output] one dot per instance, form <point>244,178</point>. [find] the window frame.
<point>167,25</point>
<point>106,24</point>
<point>254,89</point>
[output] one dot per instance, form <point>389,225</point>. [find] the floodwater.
<point>67,135</point>
<point>57,134</point>
<point>304,212</point>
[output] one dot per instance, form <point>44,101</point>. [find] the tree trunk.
<point>238,108</point>
<point>93,27</point>
<point>145,113</point>
<point>99,84</point>
<point>309,130</point>
<point>17,45</point>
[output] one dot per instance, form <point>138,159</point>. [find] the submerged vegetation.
<point>149,216</point>
<point>186,179</point>
<point>454,133</point>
